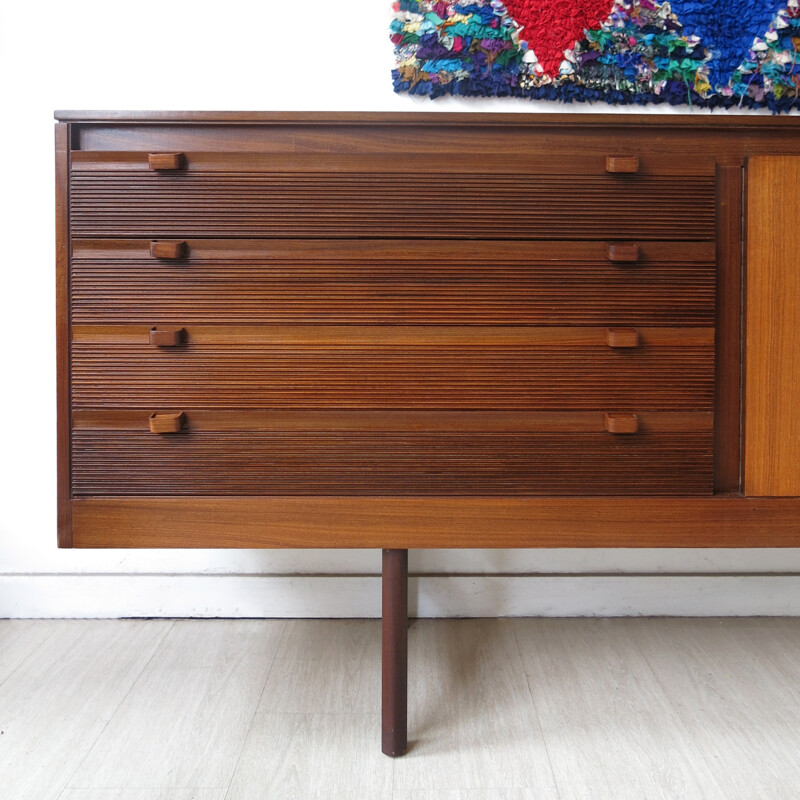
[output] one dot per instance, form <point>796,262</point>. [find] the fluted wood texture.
<point>122,462</point>
<point>329,203</point>
<point>365,282</point>
<point>437,282</point>
<point>551,368</point>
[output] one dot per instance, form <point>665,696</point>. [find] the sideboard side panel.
<point>63,335</point>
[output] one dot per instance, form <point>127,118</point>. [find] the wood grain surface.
<point>517,709</point>
<point>387,463</point>
<point>684,121</point>
<point>394,452</point>
<point>393,367</point>
<point>415,305</point>
<point>63,334</point>
<point>421,522</point>
<point>728,346</point>
<point>595,686</point>
<point>327,202</point>
<point>39,713</point>
<point>526,164</point>
<point>772,400</point>
<point>409,420</point>
<point>198,691</point>
<point>393,282</point>
<point>454,134</point>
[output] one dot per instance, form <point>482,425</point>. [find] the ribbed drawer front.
<point>394,367</point>
<point>373,324</point>
<point>675,458</point>
<point>330,196</point>
<point>251,281</point>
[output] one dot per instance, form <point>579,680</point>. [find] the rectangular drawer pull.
<point>167,337</point>
<point>622,337</point>
<point>169,249</point>
<point>622,164</point>
<point>623,252</point>
<point>165,160</point>
<point>167,423</point>
<point>622,423</point>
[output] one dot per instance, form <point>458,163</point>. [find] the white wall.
<point>257,55</point>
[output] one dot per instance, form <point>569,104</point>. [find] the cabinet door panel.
<point>772,357</point>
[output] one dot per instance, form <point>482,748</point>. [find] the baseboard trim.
<point>118,596</point>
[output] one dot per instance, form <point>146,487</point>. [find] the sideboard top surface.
<point>583,120</point>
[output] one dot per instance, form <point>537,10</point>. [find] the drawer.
<point>379,453</point>
<point>380,281</point>
<point>394,367</point>
<point>373,196</point>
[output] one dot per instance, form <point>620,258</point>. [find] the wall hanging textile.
<point>715,54</point>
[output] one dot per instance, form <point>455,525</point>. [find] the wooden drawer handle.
<point>167,423</point>
<point>167,337</point>
<point>622,337</point>
<point>165,160</point>
<point>622,164</point>
<point>622,423</point>
<point>623,252</point>
<point>168,249</point>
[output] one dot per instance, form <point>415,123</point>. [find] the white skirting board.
<point>334,596</point>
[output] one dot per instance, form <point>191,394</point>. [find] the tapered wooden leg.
<point>394,739</point>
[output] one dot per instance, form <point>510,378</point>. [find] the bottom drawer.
<point>393,453</point>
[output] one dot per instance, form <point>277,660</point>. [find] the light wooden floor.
<point>499,710</point>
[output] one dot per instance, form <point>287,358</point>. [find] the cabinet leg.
<point>394,738</point>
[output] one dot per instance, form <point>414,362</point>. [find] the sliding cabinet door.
<point>772,303</point>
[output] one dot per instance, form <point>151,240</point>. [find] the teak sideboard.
<point>427,330</point>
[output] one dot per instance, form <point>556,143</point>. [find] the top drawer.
<point>320,195</point>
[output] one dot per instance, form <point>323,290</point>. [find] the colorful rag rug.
<point>716,54</point>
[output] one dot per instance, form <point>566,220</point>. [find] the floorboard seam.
<point>28,657</point>
<point>535,710</point>
<point>255,710</point>
<point>116,709</point>
<point>678,718</point>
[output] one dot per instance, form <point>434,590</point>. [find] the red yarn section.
<point>552,26</point>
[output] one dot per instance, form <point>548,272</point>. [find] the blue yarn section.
<point>642,56</point>
<point>726,28</point>
<point>675,94</point>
